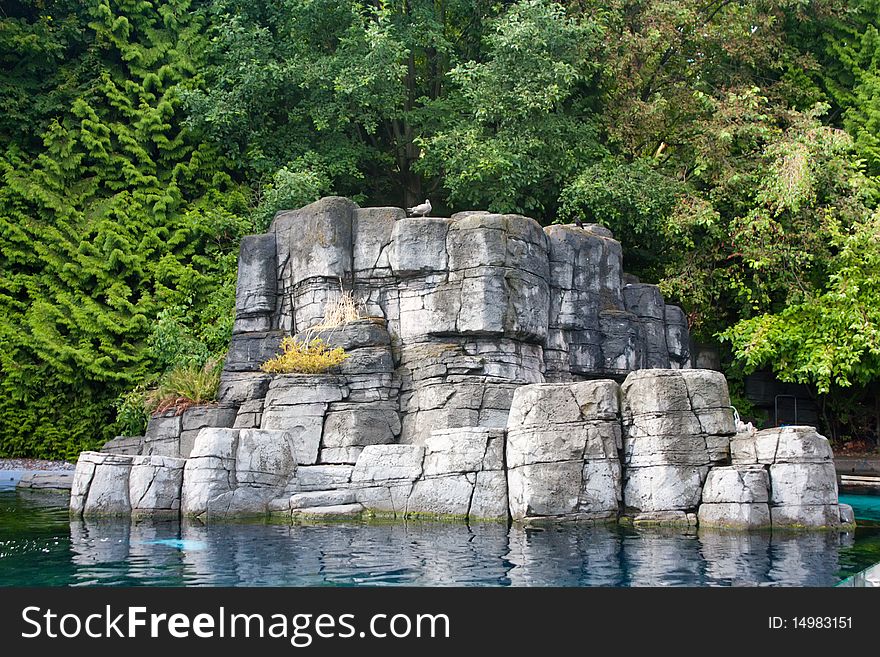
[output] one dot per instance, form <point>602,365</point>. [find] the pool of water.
<point>41,546</point>
<point>864,501</point>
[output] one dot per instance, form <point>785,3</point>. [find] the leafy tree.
<point>521,121</point>
<point>830,340</point>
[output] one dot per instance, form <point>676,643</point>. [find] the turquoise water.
<point>866,504</point>
<point>41,546</point>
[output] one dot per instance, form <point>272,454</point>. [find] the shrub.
<point>304,357</point>
<point>131,412</point>
<point>183,386</point>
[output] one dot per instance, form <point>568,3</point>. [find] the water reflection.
<point>440,554</point>
<point>40,545</point>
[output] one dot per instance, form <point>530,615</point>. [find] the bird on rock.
<point>578,222</point>
<point>421,209</point>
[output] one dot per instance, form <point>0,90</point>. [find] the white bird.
<point>420,210</point>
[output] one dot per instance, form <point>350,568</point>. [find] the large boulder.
<point>676,424</point>
<point>562,444</point>
<point>463,475</point>
<point>736,497</point>
<point>802,478</point>
<point>237,471</point>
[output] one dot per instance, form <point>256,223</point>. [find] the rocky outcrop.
<point>676,425</point>
<point>482,381</point>
<point>475,305</point>
<point>173,433</point>
<point>736,497</point>
<point>562,451</point>
<point>802,481</point>
<point>120,485</point>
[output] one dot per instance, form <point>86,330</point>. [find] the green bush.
<point>131,412</point>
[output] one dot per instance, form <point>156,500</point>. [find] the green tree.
<point>119,214</point>
<point>520,122</point>
<point>829,340</point>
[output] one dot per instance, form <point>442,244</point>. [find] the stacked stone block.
<point>802,478</point>
<point>676,424</point>
<point>462,475</point>
<point>121,485</point>
<point>562,451</point>
<point>232,471</point>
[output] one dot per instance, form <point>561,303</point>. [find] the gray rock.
<point>673,518</point>
<point>737,484</point>
<point>671,423</point>
<point>218,443</point>
<point>663,487</point>
<point>361,425</point>
<point>793,516</point>
<point>677,337</point>
<point>240,387</point>
<point>199,417</point>
<point>343,455</point>
<point>734,515</point>
<point>162,436</point>
<point>545,489</point>
<point>601,494</point>
<point>718,448</point>
<point>361,333</point>
<point>234,471</point>
<point>248,351</point>
<point>299,389</point>
<point>130,445</point>
<point>208,478</point>
<point>654,392</point>
<point>847,515</point>
<point>560,403</point>
<point>471,449</point>
<point>489,500</point>
<point>596,440</point>
<point>58,480</point>
<point>419,246</point>
<point>337,511</point>
<point>255,294</point>
<point>444,495</point>
<point>803,484</point>
<point>717,421</point>
<point>304,422</point>
<point>154,485</point>
<point>373,229</point>
<point>379,463</point>
<point>82,480</point>
<point>780,445</point>
<point>707,389</point>
<point>315,241</point>
<point>265,458</point>
<point>668,449</point>
<point>644,301</point>
<point>321,498</point>
<point>108,490</point>
<point>390,498</point>
<point>622,342</point>
<point>322,477</point>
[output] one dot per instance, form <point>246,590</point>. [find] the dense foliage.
<point>732,145</point>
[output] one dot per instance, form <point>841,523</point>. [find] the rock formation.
<point>483,382</point>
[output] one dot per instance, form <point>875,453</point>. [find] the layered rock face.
<point>676,424</point>
<point>482,382</point>
<point>562,451</point>
<point>474,306</point>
